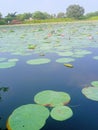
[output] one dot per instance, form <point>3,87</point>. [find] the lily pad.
<point>91,93</point>
<point>28,117</point>
<point>52,98</point>
<point>2,59</point>
<point>94,83</point>
<point>38,61</point>
<point>61,113</point>
<point>7,64</point>
<point>95,57</point>
<point>13,60</point>
<point>64,60</point>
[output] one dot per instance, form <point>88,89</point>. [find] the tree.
<point>10,16</point>
<point>75,11</point>
<point>40,15</point>
<point>0,15</point>
<point>60,15</point>
<point>24,16</point>
<point>92,14</point>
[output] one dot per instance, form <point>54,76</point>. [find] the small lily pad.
<point>28,117</point>
<point>95,57</point>
<point>52,98</point>
<point>91,93</point>
<point>64,60</point>
<point>94,83</point>
<point>13,60</point>
<point>38,61</point>
<point>61,113</point>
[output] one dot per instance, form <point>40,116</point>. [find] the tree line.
<point>73,12</point>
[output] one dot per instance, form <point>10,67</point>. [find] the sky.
<point>49,6</point>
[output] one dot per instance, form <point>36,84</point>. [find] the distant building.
<point>15,22</point>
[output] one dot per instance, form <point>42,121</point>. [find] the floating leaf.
<point>13,60</point>
<point>52,98</point>
<point>68,65</point>
<point>91,93</point>
<point>31,46</point>
<point>94,83</point>
<point>2,59</point>
<point>64,60</point>
<point>61,113</point>
<point>38,61</point>
<point>68,53</point>
<point>7,64</point>
<point>28,117</point>
<point>95,57</point>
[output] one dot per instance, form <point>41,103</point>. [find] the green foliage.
<point>74,11</point>
<point>0,15</point>
<point>92,14</point>
<point>40,15</point>
<point>24,16</point>
<point>60,15</point>
<point>2,22</point>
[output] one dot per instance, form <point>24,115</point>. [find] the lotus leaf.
<point>52,98</point>
<point>68,53</point>
<point>91,93</point>
<point>38,61</point>
<point>61,113</point>
<point>7,64</point>
<point>2,59</point>
<point>64,60</point>
<point>13,60</point>
<point>31,46</point>
<point>95,57</point>
<point>28,117</point>
<point>94,83</point>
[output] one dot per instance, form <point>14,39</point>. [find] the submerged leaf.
<point>61,113</point>
<point>28,117</point>
<point>52,98</point>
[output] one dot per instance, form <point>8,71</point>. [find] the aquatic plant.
<point>91,93</point>
<point>52,98</point>
<point>38,61</point>
<point>61,113</point>
<point>65,60</point>
<point>34,116</point>
<point>95,57</point>
<point>28,117</point>
<point>94,83</point>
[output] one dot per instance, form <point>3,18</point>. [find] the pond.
<point>32,59</point>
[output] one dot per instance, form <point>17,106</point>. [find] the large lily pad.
<point>38,61</point>
<point>28,117</point>
<point>91,93</point>
<point>61,113</point>
<point>52,98</point>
